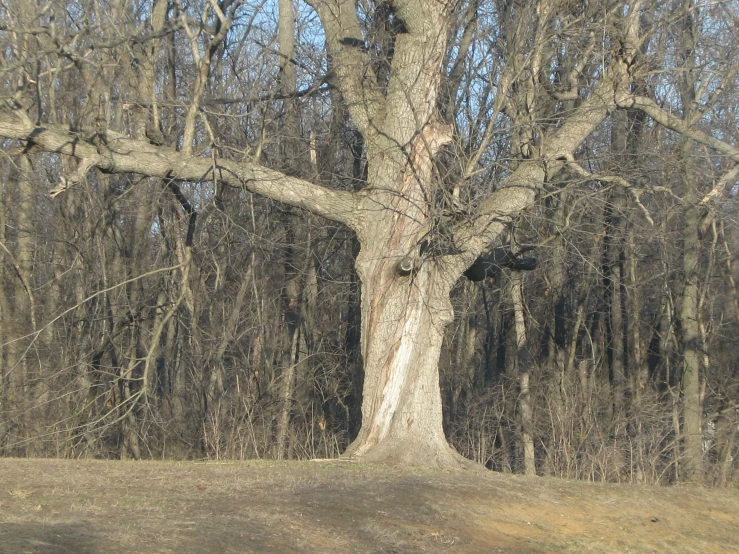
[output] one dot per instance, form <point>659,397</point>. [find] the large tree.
<point>396,67</point>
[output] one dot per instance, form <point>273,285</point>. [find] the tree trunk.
<point>524,398</point>
<point>691,343</point>
<point>403,323</point>
<point>613,278</point>
<point>286,394</point>
<point>404,316</point>
<point>689,304</point>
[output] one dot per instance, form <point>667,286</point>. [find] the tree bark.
<point>403,323</point>
<point>522,362</point>
<point>691,339</point>
<point>692,346</point>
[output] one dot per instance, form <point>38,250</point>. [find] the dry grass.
<point>56,506</point>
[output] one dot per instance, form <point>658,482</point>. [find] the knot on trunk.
<point>412,261</point>
<point>405,266</point>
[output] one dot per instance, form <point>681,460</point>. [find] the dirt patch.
<point>56,506</point>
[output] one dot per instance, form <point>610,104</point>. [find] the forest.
<point>431,232</point>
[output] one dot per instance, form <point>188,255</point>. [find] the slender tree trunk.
<point>637,360</point>
<point>289,145</point>
<point>613,280</point>
<point>522,361</point>
<point>23,305</point>
<point>290,128</point>
<point>692,346</point>
<point>726,432</point>
<point>286,395</point>
<point>691,336</point>
<point>463,367</point>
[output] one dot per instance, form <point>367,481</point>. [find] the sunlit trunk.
<point>403,322</point>
<point>403,316</point>
<point>522,363</point>
<point>692,346</point>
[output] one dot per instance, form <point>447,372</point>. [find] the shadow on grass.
<point>40,538</point>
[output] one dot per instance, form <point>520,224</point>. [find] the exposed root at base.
<point>412,455</point>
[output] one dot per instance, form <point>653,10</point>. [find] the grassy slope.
<point>60,506</point>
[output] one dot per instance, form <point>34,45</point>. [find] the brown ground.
<point>57,506</point>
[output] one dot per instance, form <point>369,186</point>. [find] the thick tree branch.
<point>122,154</point>
<point>415,77</point>
<point>356,78</point>
<point>663,117</point>
<point>518,191</point>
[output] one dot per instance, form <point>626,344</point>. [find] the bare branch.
<point>519,190</point>
<point>663,117</point>
<point>123,154</point>
<point>727,180</point>
<point>635,191</point>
